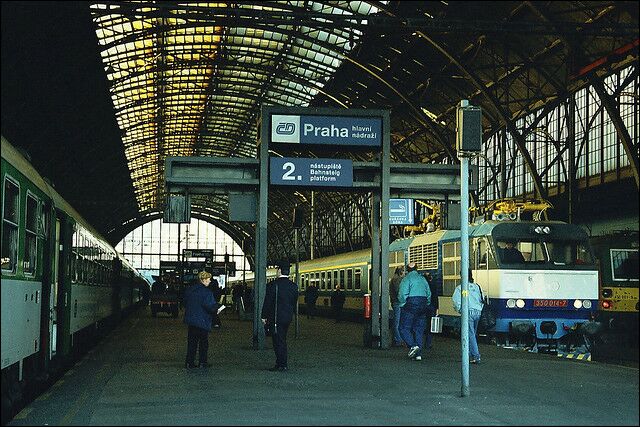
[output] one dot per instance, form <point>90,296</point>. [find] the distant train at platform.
<point>62,284</point>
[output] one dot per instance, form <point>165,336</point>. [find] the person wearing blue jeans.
<point>474,352</point>
<point>394,286</point>
<point>414,297</point>
<point>475,309</point>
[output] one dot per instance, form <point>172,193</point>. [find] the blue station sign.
<point>310,172</point>
<point>401,212</point>
<point>326,130</point>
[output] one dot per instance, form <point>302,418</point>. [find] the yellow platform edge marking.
<point>579,356</point>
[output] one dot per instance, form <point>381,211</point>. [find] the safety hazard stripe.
<point>578,356</point>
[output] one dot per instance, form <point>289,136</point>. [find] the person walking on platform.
<point>394,287</point>
<point>475,309</point>
<point>236,294</point>
<point>310,298</point>
<point>199,307</point>
<point>279,305</point>
<point>159,286</point>
<point>432,310</point>
<point>337,302</point>
<point>414,297</point>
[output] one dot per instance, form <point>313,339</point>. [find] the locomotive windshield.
<point>527,252</point>
<point>624,264</point>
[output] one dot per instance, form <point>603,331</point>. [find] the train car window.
<point>480,254</point>
<point>335,278</point>
<point>323,280</point>
<point>85,263</point>
<point>73,267</point>
<point>329,280</point>
<point>350,279</point>
<point>357,280</point>
<point>341,280</point>
<point>31,235</point>
<point>10,215</point>
<point>94,272</point>
<point>624,264</point>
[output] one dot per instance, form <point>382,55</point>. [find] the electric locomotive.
<point>547,292</point>
<point>62,283</point>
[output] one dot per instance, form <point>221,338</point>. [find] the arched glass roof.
<point>188,79</point>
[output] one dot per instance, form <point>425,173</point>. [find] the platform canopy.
<point>189,79</point>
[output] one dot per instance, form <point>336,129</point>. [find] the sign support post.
<point>468,143</point>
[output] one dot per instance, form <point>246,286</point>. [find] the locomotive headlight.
<point>577,303</point>
<point>511,303</point>
<point>586,303</point>
<point>546,229</point>
<point>538,230</point>
<point>520,303</point>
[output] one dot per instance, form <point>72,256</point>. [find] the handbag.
<point>487,316</point>
<point>436,325</point>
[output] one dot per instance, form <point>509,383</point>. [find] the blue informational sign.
<point>326,130</point>
<point>401,212</point>
<point>310,172</point>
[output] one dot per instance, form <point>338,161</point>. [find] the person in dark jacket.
<point>510,254</point>
<point>277,313</point>
<point>199,307</point>
<point>310,298</point>
<point>394,286</point>
<point>432,309</point>
<point>337,301</point>
<point>159,286</point>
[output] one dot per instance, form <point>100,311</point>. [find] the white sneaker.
<point>418,358</point>
<point>413,351</point>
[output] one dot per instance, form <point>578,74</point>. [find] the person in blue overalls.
<point>414,297</point>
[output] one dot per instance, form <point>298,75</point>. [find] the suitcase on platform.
<point>436,325</point>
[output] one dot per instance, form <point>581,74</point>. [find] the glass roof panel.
<point>189,78</point>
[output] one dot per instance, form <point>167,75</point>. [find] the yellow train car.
<point>617,255</point>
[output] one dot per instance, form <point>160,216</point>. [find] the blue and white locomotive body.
<point>551,291</point>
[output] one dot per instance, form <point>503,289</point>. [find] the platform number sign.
<point>310,172</point>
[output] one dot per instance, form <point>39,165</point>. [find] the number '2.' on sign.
<point>310,172</point>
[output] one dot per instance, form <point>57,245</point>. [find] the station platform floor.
<point>136,376</point>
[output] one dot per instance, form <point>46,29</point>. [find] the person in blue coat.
<point>280,301</point>
<point>414,297</point>
<point>200,305</point>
